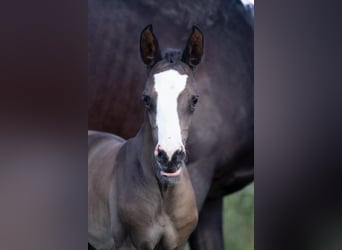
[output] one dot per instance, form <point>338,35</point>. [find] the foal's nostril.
<point>162,156</point>
<point>178,156</point>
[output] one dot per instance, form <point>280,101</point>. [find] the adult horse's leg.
<point>209,233</point>
<point>90,247</point>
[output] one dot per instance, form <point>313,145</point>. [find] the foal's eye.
<point>194,101</point>
<point>147,101</point>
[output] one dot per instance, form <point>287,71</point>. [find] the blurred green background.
<point>238,220</point>
<point>238,225</point>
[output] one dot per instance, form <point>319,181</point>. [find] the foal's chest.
<point>166,232</point>
<point>157,223</point>
<point>175,231</point>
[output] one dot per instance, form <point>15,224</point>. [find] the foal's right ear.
<point>149,48</point>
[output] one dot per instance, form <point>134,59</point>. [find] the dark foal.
<point>139,192</point>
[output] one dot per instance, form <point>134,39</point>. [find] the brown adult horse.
<point>139,191</point>
<point>221,138</point>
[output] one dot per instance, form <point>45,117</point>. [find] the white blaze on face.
<point>168,85</point>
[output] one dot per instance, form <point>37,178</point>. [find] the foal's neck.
<point>143,143</point>
<point>146,145</point>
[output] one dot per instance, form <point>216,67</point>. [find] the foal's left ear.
<point>193,51</point>
<point>149,48</point>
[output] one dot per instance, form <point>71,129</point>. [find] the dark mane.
<point>170,62</point>
<point>172,55</point>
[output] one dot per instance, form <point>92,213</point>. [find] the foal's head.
<point>170,99</point>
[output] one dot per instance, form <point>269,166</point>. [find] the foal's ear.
<point>149,48</point>
<point>193,51</point>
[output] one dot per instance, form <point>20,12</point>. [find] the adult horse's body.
<point>220,153</point>
<point>139,191</point>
